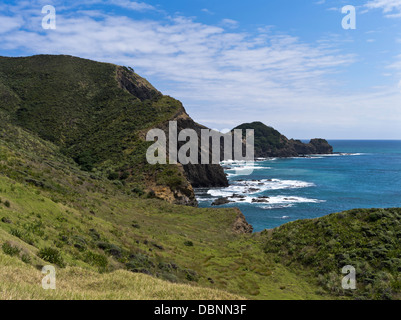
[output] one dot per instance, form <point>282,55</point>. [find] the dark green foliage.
<point>188,243</point>
<point>86,160</point>
<point>26,258</point>
<point>113,176</point>
<point>138,190</point>
<point>362,238</point>
<point>5,220</point>
<point>93,111</point>
<point>171,177</point>
<point>24,236</point>
<point>79,243</point>
<point>96,260</point>
<point>266,138</point>
<point>191,275</point>
<point>51,255</point>
<point>110,249</point>
<point>10,249</point>
<point>7,203</point>
<point>139,262</point>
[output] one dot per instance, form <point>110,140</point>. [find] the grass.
<point>74,212</point>
<point>24,282</point>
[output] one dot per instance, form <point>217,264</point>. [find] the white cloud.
<point>205,10</point>
<point>8,24</point>
<point>132,5</point>
<point>223,77</point>
<point>392,8</point>
<point>229,23</point>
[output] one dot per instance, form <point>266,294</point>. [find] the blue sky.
<point>287,63</point>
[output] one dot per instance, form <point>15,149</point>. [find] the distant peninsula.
<point>271,143</point>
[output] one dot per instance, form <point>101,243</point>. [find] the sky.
<point>287,63</point>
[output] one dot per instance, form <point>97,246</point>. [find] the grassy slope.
<point>52,203</point>
<point>20,281</point>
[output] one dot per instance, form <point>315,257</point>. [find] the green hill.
<point>367,239</point>
<point>97,114</point>
<point>76,192</point>
<point>271,143</point>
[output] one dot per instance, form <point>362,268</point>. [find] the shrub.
<point>138,190</point>
<point>113,176</point>
<point>189,243</point>
<point>26,258</point>
<point>96,260</point>
<point>139,262</point>
<point>51,255</point>
<point>7,203</point>
<point>86,160</point>
<point>111,249</point>
<point>10,250</point>
<point>191,275</point>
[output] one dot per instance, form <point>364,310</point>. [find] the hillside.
<point>271,143</point>
<point>53,212</point>
<point>367,239</point>
<point>97,114</point>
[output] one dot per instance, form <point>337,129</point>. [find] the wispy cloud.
<point>229,23</point>
<point>132,5</point>
<point>205,10</point>
<point>391,8</point>
<point>215,70</point>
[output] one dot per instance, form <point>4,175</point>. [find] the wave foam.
<point>258,186</point>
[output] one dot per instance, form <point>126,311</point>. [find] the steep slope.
<point>271,143</point>
<point>96,113</point>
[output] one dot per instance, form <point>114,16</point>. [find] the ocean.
<point>362,174</point>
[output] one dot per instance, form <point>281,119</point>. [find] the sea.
<point>360,174</point>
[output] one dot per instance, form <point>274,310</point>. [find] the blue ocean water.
<point>365,174</point>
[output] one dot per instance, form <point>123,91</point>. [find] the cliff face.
<point>271,143</point>
<point>199,175</point>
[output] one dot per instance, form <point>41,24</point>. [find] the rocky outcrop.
<point>315,146</point>
<point>271,143</point>
<point>220,202</point>
<point>199,175</point>
<point>135,85</point>
<point>321,146</point>
<point>241,226</point>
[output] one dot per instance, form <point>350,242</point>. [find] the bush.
<point>10,250</point>
<point>113,176</point>
<point>139,262</point>
<point>138,190</point>
<point>96,260</point>
<point>189,243</point>
<point>26,258</point>
<point>86,160</point>
<point>191,275</point>
<point>51,255</point>
<point>7,203</point>
<point>111,249</point>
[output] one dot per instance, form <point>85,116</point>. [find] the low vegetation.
<point>367,239</point>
